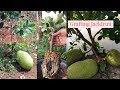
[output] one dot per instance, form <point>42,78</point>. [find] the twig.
<point>97,57</point>
<point>97,33</point>
<point>39,24</point>
<point>51,42</point>
<point>88,50</point>
<point>82,37</point>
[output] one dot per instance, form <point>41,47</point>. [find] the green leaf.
<point>60,21</point>
<point>97,44</point>
<point>31,25</point>
<point>116,22</point>
<point>3,16</point>
<point>47,24</point>
<point>102,66</point>
<point>21,32</point>
<point>26,23</point>
<point>51,23</point>
<point>117,40</point>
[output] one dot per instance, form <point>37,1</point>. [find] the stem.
<point>97,33</point>
<point>82,37</point>
<point>90,44</point>
<point>92,40</point>
<point>94,48</point>
<point>51,42</point>
<point>39,24</point>
<point>90,35</point>
<point>97,57</point>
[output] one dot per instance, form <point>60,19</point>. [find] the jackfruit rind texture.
<point>113,57</point>
<point>82,69</point>
<point>24,60</point>
<point>73,56</point>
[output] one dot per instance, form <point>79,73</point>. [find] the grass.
<point>7,65</point>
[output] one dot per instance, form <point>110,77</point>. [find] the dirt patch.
<point>21,74</point>
<point>110,73</point>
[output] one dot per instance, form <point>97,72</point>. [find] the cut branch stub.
<point>51,64</point>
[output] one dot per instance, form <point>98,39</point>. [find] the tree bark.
<point>39,15</point>
<point>94,47</point>
<point>93,41</point>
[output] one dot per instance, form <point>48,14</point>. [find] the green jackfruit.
<point>73,56</point>
<point>113,57</point>
<point>82,69</point>
<point>24,60</point>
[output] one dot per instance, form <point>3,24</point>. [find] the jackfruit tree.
<point>112,33</point>
<point>16,28</point>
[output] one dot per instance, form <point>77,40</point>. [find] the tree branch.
<point>90,34</point>
<point>97,33</point>
<point>82,37</point>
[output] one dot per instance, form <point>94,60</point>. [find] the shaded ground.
<point>21,74</point>
<point>110,73</point>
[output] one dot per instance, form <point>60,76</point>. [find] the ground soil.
<point>21,74</point>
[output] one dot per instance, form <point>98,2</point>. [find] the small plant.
<point>50,26</point>
<point>7,65</point>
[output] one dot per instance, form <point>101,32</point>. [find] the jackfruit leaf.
<point>104,32</point>
<point>17,30</point>
<point>31,25</point>
<point>21,32</point>
<point>51,23</point>
<point>26,23</point>
<point>79,15</point>
<point>51,19</point>
<point>97,44</point>
<point>116,22</point>
<point>100,37</point>
<point>116,13</point>
<point>59,16</point>
<point>47,24</point>
<point>117,40</point>
<point>60,21</point>
<point>3,16</point>
<point>102,66</point>
<point>47,31</point>
<point>112,35</point>
<point>1,24</point>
